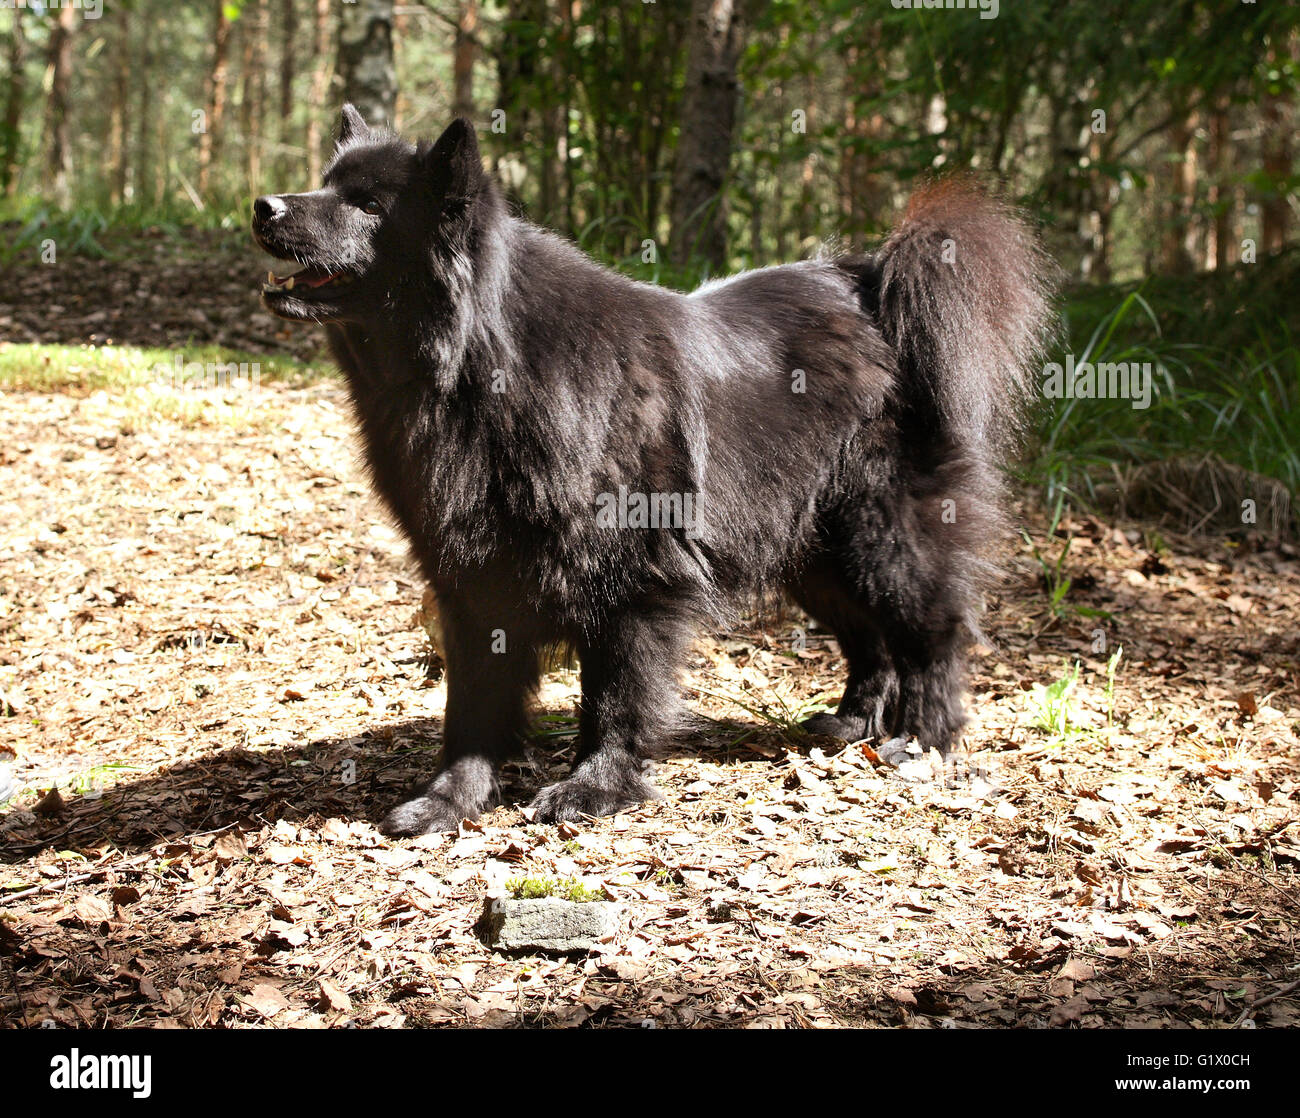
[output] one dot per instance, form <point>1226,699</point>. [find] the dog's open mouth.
<point>304,276</point>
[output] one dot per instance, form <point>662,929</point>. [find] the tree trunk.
<point>778,184</point>
<point>548,170</point>
<point>285,131</point>
<point>1275,156</point>
<point>366,59</point>
<point>699,215</point>
<point>320,78</point>
<point>1175,259</point>
<point>1098,196</point>
<point>11,166</point>
<point>210,140</point>
<point>119,115</point>
<point>1193,229</point>
<point>288,60</point>
<point>56,119</point>
<point>568,12</point>
<point>463,58</point>
<point>162,165</point>
<point>1219,253</point>
<point>143,122</point>
<point>254,98</point>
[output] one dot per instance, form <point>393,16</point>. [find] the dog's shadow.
<point>353,778</point>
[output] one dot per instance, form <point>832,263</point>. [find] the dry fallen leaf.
<point>1077,970</point>
<point>50,804</point>
<point>334,998</point>
<point>230,846</point>
<point>92,909</point>
<point>1068,1013</point>
<point>266,1000</point>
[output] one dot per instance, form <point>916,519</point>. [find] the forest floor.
<point>213,681</point>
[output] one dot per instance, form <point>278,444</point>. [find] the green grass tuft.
<point>88,368</point>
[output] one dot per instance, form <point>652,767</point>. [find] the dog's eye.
<point>373,208</point>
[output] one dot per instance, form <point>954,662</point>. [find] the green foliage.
<point>841,107</point>
<point>592,99</point>
<point>104,231</point>
<point>1056,583</point>
<point>1226,365</point>
<point>1054,706</point>
<point>567,889</point>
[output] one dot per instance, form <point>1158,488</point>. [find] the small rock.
<point>717,909</point>
<point>549,925</point>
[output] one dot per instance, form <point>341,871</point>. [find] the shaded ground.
<point>152,290</point>
<point>209,646</point>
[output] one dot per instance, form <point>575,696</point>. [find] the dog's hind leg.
<point>921,577</point>
<point>931,677</point>
<point>629,702</point>
<point>895,580</point>
<point>867,707</point>
<point>492,669</point>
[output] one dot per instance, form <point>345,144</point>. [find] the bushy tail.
<point>965,301</point>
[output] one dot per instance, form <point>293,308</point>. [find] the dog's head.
<point>383,208</point>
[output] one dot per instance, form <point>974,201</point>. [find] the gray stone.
<point>549,925</point>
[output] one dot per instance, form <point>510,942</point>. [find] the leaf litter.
<point>214,681</point>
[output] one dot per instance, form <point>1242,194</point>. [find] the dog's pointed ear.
<point>352,125</point>
<point>454,165</point>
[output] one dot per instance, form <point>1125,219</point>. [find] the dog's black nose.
<point>267,207</point>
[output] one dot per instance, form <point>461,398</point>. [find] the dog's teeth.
<point>270,277</point>
<point>288,284</point>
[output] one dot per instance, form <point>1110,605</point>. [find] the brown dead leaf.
<point>282,855</point>
<point>903,995</point>
<point>50,804</point>
<point>92,909</point>
<point>332,997</point>
<point>335,830</point>
<point>266,1000</point>
<point>1060,987</point>
<point>1068,1013</point>
<point>230,846</point>
<point>1077,970</point>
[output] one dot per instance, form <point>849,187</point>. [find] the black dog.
<point>580,458</point>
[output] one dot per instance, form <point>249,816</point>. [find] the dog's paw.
<point>463,790</point>
<point>573,799</point>
<point>836,726</point>
<point>580,796</point>
<point>424,814</point>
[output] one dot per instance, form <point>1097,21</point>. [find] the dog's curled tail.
<point>965,300</point>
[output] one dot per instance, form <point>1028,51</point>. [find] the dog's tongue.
<point>305,275</point>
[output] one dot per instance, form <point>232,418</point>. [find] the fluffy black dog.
<point>580,458</point>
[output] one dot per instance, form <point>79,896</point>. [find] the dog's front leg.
<point>629,702</point>
<point>491,666</point>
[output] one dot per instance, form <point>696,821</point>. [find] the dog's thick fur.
<point>837,425</point>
